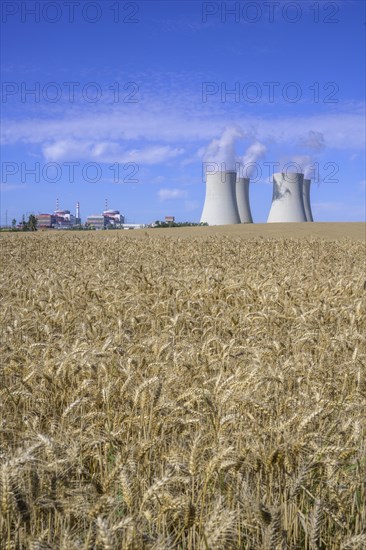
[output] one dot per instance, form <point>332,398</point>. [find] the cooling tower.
<point>287,199</point>
<point>242,199</point>
<point>306,200</point>
<point>220,206</point>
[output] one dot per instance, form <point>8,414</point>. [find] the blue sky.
<point>128,105</point>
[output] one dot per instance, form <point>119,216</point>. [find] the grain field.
<point>182,392</point>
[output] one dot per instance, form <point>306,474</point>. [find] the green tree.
<point>32,223</point>
<point>13,223</point>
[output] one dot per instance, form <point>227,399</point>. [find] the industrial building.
<point>220,207</point>
<point>60,219</point>
<point>107,220</point>
<point>64,219</point>
<point>113,218</point>
<point>227,199</point>
<point>287,198</point>
<point>46,221</point>
<point>96,221</point>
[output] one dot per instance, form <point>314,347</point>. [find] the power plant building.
<point>64,219</point>
<point>46,221</point>
<point>109,219</point>
<point>287,198</point>
<point>220,207</point>
<point>60,219</point>
<point>113,218</point>
<point>96,221</point>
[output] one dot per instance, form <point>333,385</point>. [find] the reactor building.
<point>60,219</point>
<point>107,220</point>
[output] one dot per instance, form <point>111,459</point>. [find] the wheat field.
<point>182,392</point>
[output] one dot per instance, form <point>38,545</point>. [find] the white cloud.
<point>155,154</point>
<point>66,149</point>
<point>108,151</point>
<point>180,125</point>
<point>171,194</point>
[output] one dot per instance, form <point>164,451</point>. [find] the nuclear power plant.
<point>287,198</point>
<point>242,198</point>
<point>221,207</point>
<point>227,199</point>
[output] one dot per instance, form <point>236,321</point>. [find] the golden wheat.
<point>163,392</point>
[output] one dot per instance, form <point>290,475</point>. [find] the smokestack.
<point>287,199</point>
<point>57,205</point>
<point>220,206</point>
<point>306,200</point>
<point>106,205</point>
<point>242,199</point>
<point>77,213</point>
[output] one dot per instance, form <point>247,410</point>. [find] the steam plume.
<point>255,152</point>
<point>222,150</point>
